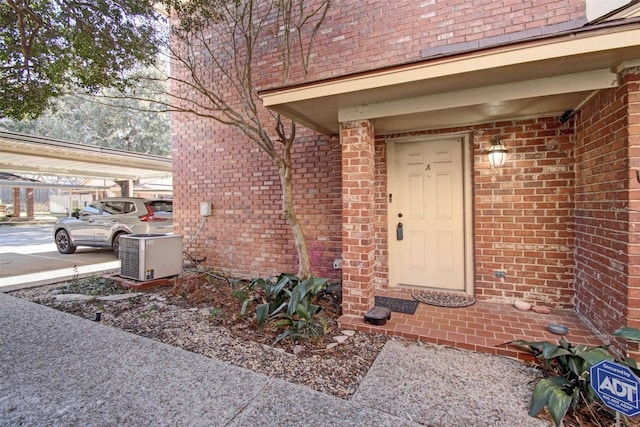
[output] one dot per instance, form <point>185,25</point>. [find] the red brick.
<point>555,210</point>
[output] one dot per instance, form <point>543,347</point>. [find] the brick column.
<point>31,212</point>
<point>16,202</point>
<point>358,207</point>
<point>631,80</point>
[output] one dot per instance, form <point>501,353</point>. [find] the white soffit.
<point>493,94</point>
<point>556,73</point>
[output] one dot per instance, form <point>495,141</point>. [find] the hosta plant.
<point>566,384</point>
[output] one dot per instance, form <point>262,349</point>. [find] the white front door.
<point>427,214</point>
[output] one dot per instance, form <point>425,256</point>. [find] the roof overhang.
<point>28,184</point>
<point>538,77</point>
<point>32,154</point>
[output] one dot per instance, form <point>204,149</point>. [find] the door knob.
<point>399,215</point>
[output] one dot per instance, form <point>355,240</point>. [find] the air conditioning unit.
<point>150,256</point>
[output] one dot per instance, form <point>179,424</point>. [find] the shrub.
<point>289,303</point>
<point>567,382</point>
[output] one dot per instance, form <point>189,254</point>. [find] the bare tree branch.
<point>217,54</point>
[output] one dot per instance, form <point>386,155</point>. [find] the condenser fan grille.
<point>130,258</point>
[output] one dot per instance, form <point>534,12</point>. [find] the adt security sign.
<point>617,386</point>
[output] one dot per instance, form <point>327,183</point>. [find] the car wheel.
<point>63,243</point>
<point>116,244</point>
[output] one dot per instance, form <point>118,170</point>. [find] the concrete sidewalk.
<point>59,369</point>
<point>27,270</point>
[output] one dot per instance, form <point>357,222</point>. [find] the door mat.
<point>398,305</point>
<point>443,299</point>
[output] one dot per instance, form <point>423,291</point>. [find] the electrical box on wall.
<point>205,208</point>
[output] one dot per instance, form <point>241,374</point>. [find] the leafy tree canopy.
<point>125,124</point>
<point>47,46</point>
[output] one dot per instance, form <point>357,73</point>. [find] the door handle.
<point>399,232</point>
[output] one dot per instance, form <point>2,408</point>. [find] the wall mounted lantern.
<point>497,153</point>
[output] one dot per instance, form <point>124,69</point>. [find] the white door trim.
<point>467,167</point>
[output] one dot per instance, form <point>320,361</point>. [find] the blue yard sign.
<point>617,386</point>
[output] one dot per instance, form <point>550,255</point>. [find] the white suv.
<point>101,223</point>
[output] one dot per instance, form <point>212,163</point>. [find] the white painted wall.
<point>65,203</point>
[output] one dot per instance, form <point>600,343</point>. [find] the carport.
<point>38,155</point>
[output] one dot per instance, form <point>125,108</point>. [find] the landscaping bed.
<point>201,314</point>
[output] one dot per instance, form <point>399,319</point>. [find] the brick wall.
<point>522,212</point>
<point>607,206</point>
<point>631,81</point>
<point>247,236</point>
<point>365,35</point>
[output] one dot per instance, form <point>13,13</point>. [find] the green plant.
<point>631,334</point>
<point>93,285</point>
<point>269,295</point>
<point>567,383</point>
<point>567,373</point>
<point>289,302</point>
<point>148,312</point>
<point>332,295</point>
<point>240,294</point>
<point>299,317</point>
<point>214,313</point>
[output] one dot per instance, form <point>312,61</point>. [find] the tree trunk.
<point>304,262</point>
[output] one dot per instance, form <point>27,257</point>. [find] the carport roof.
<point>34,154</point>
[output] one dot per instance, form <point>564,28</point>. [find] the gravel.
<point>337,371</point>
<point>422,383</point>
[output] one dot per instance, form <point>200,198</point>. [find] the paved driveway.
<point>29,257</point>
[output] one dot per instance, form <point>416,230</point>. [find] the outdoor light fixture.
<point>497,153</point>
